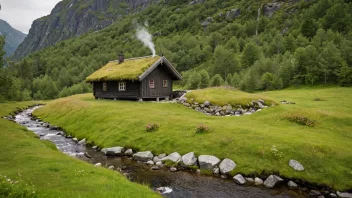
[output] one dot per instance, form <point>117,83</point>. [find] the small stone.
<point>186,104</point>
<point>175,157</point>
<point>87,155</point>
<point>143,156</point>
<point>208,162</point>
<point>97,165</point>
<point>292,184</point>
<point>207,103</point>
<point>155,168</point>
<point>272,180</point>
<point>113,151</point>
<point>258,181</point>
<point>173,169</point>
<point>150,162</point>
<point>223,176</point>
<point>161,156</point>
<point>82,142</point>
<point>129,152</point>
<point>94,147</point>
<point>344,194</point>
<point>296,165</point>
<point>216,171</point>
<point>239,179</point>
<point>226,166</point>
<point>111,167</point>
<point>156,159</point>
<point>159,163</point>
<point>75,140</point>
<point>333,195</point>
<point>314,193</point>
<point>188,159</point>
<point>250,180</point>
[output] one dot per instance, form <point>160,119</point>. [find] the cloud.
<point>21,13</point>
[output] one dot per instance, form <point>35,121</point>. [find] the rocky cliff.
<point>72,18</point>
<point>13,37</point>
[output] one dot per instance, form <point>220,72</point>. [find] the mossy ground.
<point>325,149</point>
<point>49,172</point>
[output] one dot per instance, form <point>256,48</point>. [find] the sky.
<point>21,13</point>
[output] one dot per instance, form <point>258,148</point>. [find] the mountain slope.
<point>13,37</point>
<point>72,18</point>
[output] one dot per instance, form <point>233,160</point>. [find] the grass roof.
<point>128,70</point>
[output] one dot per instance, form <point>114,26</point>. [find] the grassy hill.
<point>325,149</point>
<point>42,171</point>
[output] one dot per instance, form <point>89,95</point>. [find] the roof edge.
<point>157,63</point>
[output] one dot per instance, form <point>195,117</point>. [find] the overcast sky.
<point>21,13</point>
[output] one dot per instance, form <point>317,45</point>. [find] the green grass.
<point>128,70</point>
<point>226,95</point>
<point>40,167</point>
<point>325,149</point>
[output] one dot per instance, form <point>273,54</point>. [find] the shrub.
<point>300,119</point>
<point>152,127</point>
<point>10,188</point>
<point>202,128</point>
<point>275,152</point>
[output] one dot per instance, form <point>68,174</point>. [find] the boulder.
<point>226,166</point>
<point>207,21</point>
<point>314,193</point>
<point>75,140</point>
<point>233,13</point>
<point>161,156</point>
<point>173,169</point>
<point>208,162</point>
<point>159,163</point>
<point>344,194</point>
<point>207,103</point>
<point>97,165</point>
<point>111,167</point>
<point>292,184</point>
<point>82,142</point>
<point>175,157</point>
<point>239,179</point>
<point>113,151</point>
<point>271,8</point>
<point>188,159</point>
<point>129,152</point>
<point>143,156</point>
<point>296,165</point>
<point>258,181</point>
<point>150,162</point>
<point>156,159</point>
<point>94,147</point>
<point>272,180</point>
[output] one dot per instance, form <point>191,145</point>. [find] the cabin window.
<point>105,86</point>
<point>122,86</point>
<point>151,84</point>
<point>164,83</point>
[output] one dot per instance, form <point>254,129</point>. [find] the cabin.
<point>149,77</point>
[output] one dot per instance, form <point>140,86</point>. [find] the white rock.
<point>208,162</point>
<point>250,180</point>
<point>216,170</point>
<point>159,163</point>
<point>129,152</point>
<point>258,181</point>
<point>156,159</point>
<point>175,157</point>
<point>113,151</point>
<point>82,142</point>
<point>292,184</point>
<point>188,159</point>
<point>173,169</point>
<point>111,167</point>
<point>97,165</point>
<point>272,180</point>
<point>296,165</point>
<point>344,194</point>
<point>226,166</point>
<point>239,179</point>
<point>75,140</point>
<point>150,162</point>
<point>143,156</point>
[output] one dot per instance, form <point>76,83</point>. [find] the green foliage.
<point>300,118</point>
<point>152,127</point>
<point>204,79</point>
<point>15,189</point>
<point>216,81</point>
<point>2,51</point>
<point>202,128</point>
<point>251,53</point>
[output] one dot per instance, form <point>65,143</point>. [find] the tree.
<point>309,27</point>
<point>204,79</point>
<point>236,80</point>
<point>268,80</point>
<point>225,61</point>
<point>251,53</point>
<point>331,61</point>
<point>2,52</point>
<point>216,80</point>
<point>194,81</point>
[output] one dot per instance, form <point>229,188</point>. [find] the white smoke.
<point>146,38</point>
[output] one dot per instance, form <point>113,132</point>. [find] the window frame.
<point>152,84</point>
<point>105,86</point>
<point>122,86</point>
<point>165,84</point>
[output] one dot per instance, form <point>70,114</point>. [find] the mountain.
<point>13,37</point>
<point>72,18</point>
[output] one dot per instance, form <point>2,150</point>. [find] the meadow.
<point>260,143</point>
<point>30,167</point>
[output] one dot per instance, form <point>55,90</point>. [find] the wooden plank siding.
<point>131,92</point>
<point>158,75</point>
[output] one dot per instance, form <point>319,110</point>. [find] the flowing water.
<point>182,184</point>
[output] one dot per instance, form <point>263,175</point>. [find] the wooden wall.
<point>132,90</point>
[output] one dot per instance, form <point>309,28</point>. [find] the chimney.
<point>121,58</point>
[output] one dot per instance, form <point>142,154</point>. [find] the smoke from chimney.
<point>146,38</point>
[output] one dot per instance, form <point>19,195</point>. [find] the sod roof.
<point>130,69</point>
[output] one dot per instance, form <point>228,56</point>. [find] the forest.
<point>303,43</point>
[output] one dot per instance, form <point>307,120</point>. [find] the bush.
<point>10,188</point>
<point>202,128</point>
<point>216,81</point>
<point>152,127</point>
<point>300,119</point>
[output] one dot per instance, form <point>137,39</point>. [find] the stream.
<point>183,184</point>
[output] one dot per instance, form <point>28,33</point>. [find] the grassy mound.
<point>37,169</point>
<point>262,142</point>
<point>225,95</point>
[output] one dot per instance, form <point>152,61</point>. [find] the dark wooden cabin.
<point>136,78</point>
